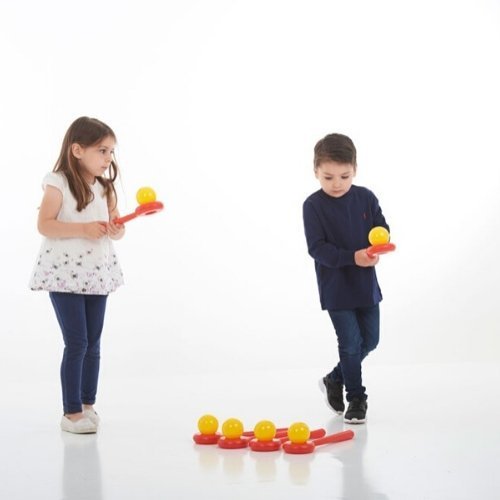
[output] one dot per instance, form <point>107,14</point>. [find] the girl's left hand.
<point>115,231</point>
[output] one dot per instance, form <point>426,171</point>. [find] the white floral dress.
<point>77,265</point>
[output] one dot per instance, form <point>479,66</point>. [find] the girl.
<point>77,264</point>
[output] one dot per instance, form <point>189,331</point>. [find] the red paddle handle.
<point>335,438</point>
<point>125,218</point>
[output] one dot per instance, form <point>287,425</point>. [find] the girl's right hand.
<point>362,259</point>
<point>95,230</point>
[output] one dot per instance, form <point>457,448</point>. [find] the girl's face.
<point>335,178</point>
<point>94,160</point>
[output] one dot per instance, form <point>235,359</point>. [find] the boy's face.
<point>335,178</point>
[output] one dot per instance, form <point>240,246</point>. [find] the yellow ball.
<point>298,432</point>
<point>145,195</point>
<point>378,236</point>
<point>208,424</point>
<point>232,428</point>
<point>264,430</point>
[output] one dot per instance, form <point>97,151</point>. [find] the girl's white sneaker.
<point>92,416</point>
<point>82,426</point>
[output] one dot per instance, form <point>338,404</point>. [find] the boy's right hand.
<point>95,230</point>
<point>362,259</point>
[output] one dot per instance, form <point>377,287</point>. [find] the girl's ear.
<point>76,149</point>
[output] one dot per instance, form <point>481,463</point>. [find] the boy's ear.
<point>77,150</point>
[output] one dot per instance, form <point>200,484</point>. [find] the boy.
<point>337,220</point>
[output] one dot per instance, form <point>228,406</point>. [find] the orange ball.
<point>298,432</point>
<point>232,428</point>
<point>378,236</point>
<point>264,430</point>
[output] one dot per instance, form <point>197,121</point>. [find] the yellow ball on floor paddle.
<point>208,424</point>
<point>145,195</point>
<point>232,428</point>
<point>298,432</point>
<point>378,236</point>
<point>264,430</point>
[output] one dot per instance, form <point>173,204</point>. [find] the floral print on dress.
<point>77,265</point>
<point>76,272</point>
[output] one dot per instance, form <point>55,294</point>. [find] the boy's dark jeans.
<point>357,334</point>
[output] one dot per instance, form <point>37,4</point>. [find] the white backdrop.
<point>217,105</point>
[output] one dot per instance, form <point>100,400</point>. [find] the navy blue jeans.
<point>81,318</point>
<point>357,334</point>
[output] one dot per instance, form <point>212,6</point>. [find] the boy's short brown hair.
<point>335,147</point>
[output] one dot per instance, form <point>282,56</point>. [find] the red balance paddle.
<point>200,438</point>
<point>232,443</point>
<point>145,209</point>
<point>308,446</point>
<point>380,249</point>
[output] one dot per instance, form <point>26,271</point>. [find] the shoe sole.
<point>354,421</point>
<point>322,388</point>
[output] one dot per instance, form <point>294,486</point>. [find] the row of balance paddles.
<point>296,439</point>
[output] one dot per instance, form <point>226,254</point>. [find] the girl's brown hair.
<point>86,132</point>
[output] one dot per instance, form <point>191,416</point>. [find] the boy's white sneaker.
<point>81,426</point>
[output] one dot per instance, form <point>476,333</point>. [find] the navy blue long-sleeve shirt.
<point>335,229</point>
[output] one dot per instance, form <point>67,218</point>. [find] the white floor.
<point>432,433</point>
